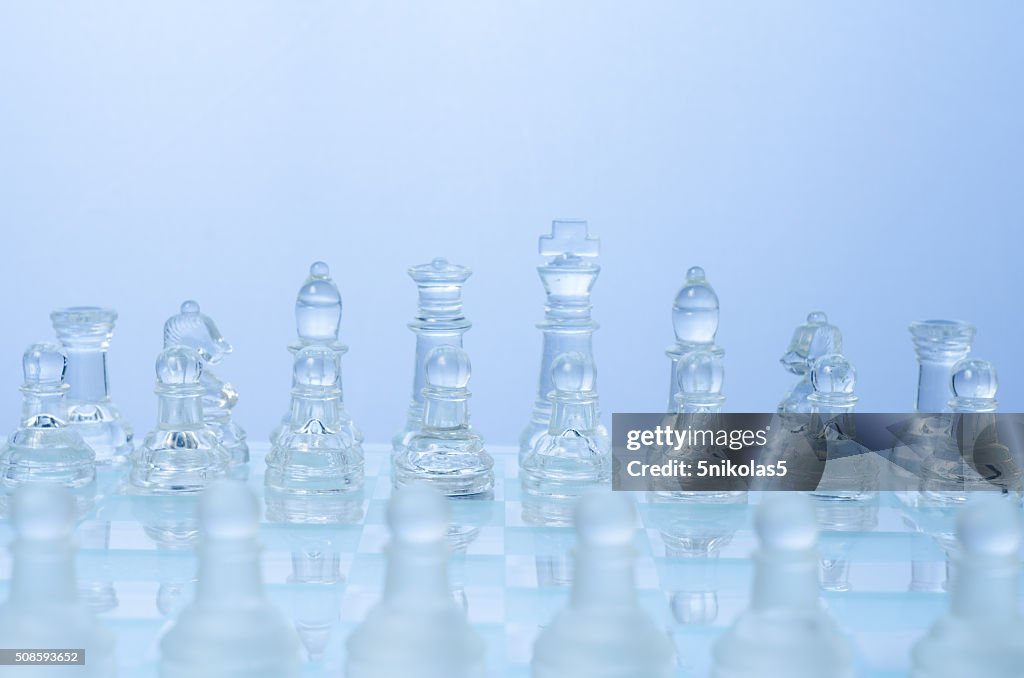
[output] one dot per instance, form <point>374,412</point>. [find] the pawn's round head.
<point>700,372</point>
<point>695,310</point>
<point>786,521</point>
<point>228,510</point>
<point>316,366</point>
<point>418,514</point>
<point>833,374</point>
<point>573,372</point>
<point>448,367</point>
<point>604,519</point>
<point>974,378</point>
<point>989,526</point>
<point>318,306</point>
<point>43,365</point>
<point>43,512</point>
<point>178,366</point>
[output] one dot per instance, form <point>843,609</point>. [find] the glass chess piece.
<point>316,453</point>
<point>42,609</point>
<point>181,454</point>
<point>812,340</point>
<point>568,278</point>
<point>416,629</point>
<point>982,633</point>
<point>198,331</point>
<point>973,458</point>
<point>231,629</point>
<point>445,452</point>
<point>695,323</point>
<point>850,471</point>
<point>45,448</point>
<point>572,456</point>
<point>698,401</point>
<point>785,631</point>
<point>317,323</point>
<point>939,344</point>
<point>439,321</point>
<point>85,333</point>
<point>603,631</point>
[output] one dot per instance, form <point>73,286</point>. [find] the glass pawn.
<point>974,458</point>
<point>603,631</point>
<point>438,322</point>
<point>812,340</point>
<point>982,633</point>
<point>316,454</point>
<point>198,331</point>
<point>45,448</point>
<point>568,278</point>
<point>416,629</point>
<point>849,471</point>
<point>231,629</point>
<point>572,456</point>
<point>43,610</point>
<point>181,454</point>
<point>700,374</point>
<point>317,322</point>
<point>763,641</point>
<point>85,333</point>
<point>445,452</point>
<point>695,323</point>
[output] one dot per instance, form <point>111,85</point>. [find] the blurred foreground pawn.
<point>317,322</point>
<point>231,630</point>
<point>181,454</point>
<point>416,629</point>
<point>812,340</point>
<point>785,632</point>
<point>45,448</point>
<point>982,634</point>
<point>568,277</point>
<point>572,456</point>
<point>445,452</point>
<point>197,331</point>
<point>314,455</point>
<point>85,333</point>
<point>603,632</point>
<point>439,321</point>
<point>695,323</point>
<point>43,611</point>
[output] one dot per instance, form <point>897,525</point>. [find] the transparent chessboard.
<point>693,570</point>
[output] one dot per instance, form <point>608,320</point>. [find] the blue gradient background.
<point>864,158</point>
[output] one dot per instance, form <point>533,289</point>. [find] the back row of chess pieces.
<point>70,426</point>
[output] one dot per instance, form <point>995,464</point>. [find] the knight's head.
<point>197,331</point>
